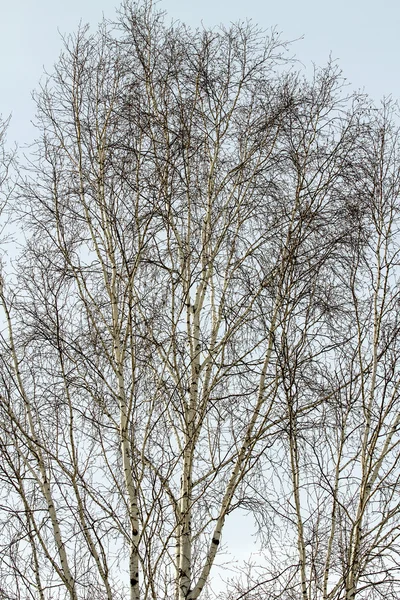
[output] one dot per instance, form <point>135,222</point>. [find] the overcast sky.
<point>362,35</point>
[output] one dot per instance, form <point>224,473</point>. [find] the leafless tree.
<point>334,474</point>
<point>203,319</point>
<point>6,161</point>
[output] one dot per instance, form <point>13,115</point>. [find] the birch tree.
<point>6,161</point>
<point>187,311</point>
<point>337,468</point>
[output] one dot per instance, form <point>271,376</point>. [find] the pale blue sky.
<point>362,35</point>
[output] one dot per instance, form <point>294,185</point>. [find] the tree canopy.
<point>204,319</point>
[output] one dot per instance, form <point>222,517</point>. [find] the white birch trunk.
<point>127,467</point>
<point>65,571</point>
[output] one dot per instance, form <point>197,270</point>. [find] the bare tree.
<point>6,162</point>
<point>332,492</point>
<point>189,328</point>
